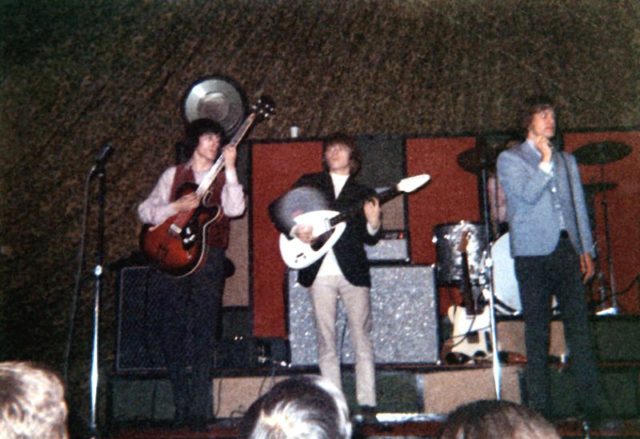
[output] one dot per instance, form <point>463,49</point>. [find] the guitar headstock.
<point>264,108</point>
<point>410,184</point>
<point>464,241</point>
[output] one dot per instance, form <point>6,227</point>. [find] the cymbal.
<point>218,98</point>
<point>593,188</point>
<point>476,159</point>
<point>601,152</point>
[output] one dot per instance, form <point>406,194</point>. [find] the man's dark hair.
<point>197,128</point>
<point>533,105</point>
<point>355,159</point>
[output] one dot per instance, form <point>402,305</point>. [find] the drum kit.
<point>489,263</point>
<point>484,249</point>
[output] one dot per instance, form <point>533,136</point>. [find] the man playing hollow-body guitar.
<point>188,307</point>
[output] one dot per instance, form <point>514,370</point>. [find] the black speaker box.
<point>138,348</point>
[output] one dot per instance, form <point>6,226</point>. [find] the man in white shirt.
<point>189,307</point>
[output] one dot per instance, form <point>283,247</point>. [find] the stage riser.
<point>136,399</point>
<point>151,399</point>
<point>511,338</point>
<point>615,338</point>
<point>444,391</point>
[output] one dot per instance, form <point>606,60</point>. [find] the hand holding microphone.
<point>545,147</point>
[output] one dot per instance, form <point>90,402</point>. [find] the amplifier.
<point>405,318</point>
<point>392,247</point>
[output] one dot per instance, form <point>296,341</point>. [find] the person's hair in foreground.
<point>32,404</point>
<point>298,408</point>
<point>496,419</point>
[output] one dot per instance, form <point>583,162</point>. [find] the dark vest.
<point>217,231</point>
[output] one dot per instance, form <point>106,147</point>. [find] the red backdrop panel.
<point>275,167</point>
<point>623,211</point>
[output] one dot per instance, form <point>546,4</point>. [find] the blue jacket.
<point>535,200</point>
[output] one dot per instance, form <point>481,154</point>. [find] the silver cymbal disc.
<point>216,98</point>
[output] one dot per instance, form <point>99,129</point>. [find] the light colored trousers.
<point>325,292</point>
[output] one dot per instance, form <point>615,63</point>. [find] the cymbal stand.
<point>486,282</point>
<point>607,236</point>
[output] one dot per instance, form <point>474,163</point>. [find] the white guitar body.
<point>470,332</point>
<point>297,254</point>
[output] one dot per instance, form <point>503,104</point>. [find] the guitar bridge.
<point>175,229</point>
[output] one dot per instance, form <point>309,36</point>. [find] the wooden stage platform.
<point>413,399</point>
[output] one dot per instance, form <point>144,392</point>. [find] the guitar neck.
<point>466,288</point>
<point>218,165</point>
<point>383,197</point>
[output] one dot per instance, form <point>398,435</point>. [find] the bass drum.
<point>447,239</point>
<point>505,284</point>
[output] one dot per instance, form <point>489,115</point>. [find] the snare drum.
<point>448,256</point>
<point>505,284</point>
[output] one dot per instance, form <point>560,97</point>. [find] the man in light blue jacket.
<point>552,247</point>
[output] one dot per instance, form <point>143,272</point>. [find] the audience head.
<point>308,407</point>
<point>496,419</point>
<point>32,403</point>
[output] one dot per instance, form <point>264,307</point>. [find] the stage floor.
<point>389,425</point>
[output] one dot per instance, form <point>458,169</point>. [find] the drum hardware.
<point>448,256</point>
<point>601,153</point>
<point>484,155</point>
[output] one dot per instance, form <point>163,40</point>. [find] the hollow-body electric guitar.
<point>177,245</point>
<point>328,226</point>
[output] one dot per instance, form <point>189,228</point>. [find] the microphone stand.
<point>98,171</point>
<point>607,237</point>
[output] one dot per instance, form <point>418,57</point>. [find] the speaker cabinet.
<point>405,322</point>
<point>137,347</point>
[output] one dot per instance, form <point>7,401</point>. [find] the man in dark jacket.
<point>343,272</point>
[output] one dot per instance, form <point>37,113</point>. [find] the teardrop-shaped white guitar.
<point>328,226</point>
